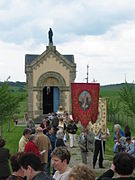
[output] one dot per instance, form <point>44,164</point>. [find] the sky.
<point>99,33</point>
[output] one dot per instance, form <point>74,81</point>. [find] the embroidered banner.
<point>101,123</point>
<point>85,98</point>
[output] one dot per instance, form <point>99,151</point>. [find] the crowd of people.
<point>123,141</point>
<point>45,146</point>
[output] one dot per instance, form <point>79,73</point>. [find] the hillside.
<point>106,90</point>
<point>16,86</point>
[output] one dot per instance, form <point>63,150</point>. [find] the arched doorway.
<point>55,83</point>
<point>51,99</point>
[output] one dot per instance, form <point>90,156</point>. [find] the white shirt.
<point>63,176</point>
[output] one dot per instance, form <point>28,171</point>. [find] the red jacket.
<point>31,147</point>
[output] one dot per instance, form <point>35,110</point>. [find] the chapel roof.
<point>29,58</point>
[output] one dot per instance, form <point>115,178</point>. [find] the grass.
<point>12,138</point>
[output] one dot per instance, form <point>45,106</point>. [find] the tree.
<point>112,106</point>
<point>127,97</point>
<point>9,103</point>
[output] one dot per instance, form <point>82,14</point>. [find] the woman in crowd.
<point>118,133</point>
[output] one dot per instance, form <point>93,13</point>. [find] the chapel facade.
<point>48,82</point>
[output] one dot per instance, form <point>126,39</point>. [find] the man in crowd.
<point>60,161</point>
<point>72,129</point>
<point>31,166</point>
<point>100,148</point>
<point>24,139</point>
<point>52,137</point>
<point>44,145</point>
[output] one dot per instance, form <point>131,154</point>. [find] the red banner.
<point>85,98</point>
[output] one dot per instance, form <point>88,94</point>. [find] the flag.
<point>85,98</point>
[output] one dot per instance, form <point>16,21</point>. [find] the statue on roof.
<point>50,34</point>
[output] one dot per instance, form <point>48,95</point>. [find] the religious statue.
<point>50,34</point>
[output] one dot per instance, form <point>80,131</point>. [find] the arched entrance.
<point>51,99</point>
<point>51,93</point>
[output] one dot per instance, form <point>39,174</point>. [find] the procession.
<point>65,129</point>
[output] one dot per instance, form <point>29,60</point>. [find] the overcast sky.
<point>100,33</point>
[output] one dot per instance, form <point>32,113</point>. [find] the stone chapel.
<point>48,81</point>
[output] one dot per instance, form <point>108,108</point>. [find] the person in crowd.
<point>82,172</point>
<point>17,173</point>
<point>44,145</point>
<point>31,125</point>
<point>24,139</point>
<point>67,118</point>
<point>60,160</point>
<point>130,146</point>
<point>100,148</point>
<point>60,142</point>
<point>83,145</point>
<point>60,111</point>
<point>50,116</point>
<point>45,124</point>
<point>48,124</point>
<point>31,166</point>
<point>90,147</point>
<point>72,129</point>
<point>26,118</point>
<point>31,145</point>
<point>127,131</point>
<point>67,121</point>
<point>61,129</point>
<point>4,157</point>
<point>55,123</point>
<point>52,137</point>
<point>120,146</point>
<point>118,133</point>
<point>64,116</point>
<point>123,165</point>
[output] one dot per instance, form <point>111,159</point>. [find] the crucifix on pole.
<point>87,78</point>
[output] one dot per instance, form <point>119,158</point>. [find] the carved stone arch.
<point>51,79</point>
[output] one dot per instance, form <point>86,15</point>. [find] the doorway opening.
<point>51,99</point>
